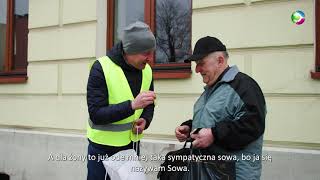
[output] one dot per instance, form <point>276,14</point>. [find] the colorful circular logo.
<point>298,17</point>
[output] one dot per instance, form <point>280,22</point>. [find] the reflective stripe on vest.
<point>111,127</point>
<point>118,133</point>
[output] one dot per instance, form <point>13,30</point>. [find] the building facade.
<point>43,118</point>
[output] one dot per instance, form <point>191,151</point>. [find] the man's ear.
<point>221,59</point>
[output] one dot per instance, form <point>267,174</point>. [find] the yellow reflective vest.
<point>118,133</point>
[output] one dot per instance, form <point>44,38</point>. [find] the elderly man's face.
<point>140,60</point>
<point>210,68</point>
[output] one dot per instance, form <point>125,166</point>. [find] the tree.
<point>173,32</point>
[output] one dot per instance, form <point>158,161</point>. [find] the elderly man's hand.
<point>182,132</point>
<point>203,138</point>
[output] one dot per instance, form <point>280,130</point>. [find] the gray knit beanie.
<point>138,38</point>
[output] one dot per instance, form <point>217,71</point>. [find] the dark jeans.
<point>96,152</point>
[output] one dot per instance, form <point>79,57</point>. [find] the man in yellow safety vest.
<point>120,97</point>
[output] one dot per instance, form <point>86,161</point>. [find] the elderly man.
<point>230,112</point>
<point>120,97</point>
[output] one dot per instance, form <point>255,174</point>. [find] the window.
<point>316,73</point>
<point>170,20</point>
<point>13,40</point>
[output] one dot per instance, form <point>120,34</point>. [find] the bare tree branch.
<point>173,21</point>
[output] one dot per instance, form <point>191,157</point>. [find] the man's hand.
<point>139,126</point>
<point>143,99</point>
<point>203,139</point>
<point>182,132</point>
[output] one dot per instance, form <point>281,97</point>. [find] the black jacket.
<point>236,133</point>
<point>97,95</point>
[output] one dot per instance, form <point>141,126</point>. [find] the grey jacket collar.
<point>227,77</point>
<point>230,74</point>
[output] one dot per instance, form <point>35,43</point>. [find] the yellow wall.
<point>265,44</point>
<point>62,40</point>
<point>64,35</point>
